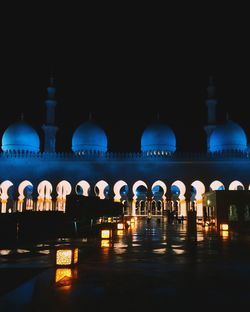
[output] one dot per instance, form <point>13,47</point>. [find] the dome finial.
<point>158,116</point>
<point>227,116</point>
<point>90,116</point>
<point>211,88</point>
<point>22,116</point>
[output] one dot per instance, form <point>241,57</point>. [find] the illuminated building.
<point>157,179</point>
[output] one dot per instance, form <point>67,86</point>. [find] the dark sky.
<point>125,70</point>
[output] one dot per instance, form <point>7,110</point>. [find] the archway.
<point>217,186</point>
<point>44,201</point>
<point>4,187</point>
<point>102,189</point>
<point>25,200</point>
<point>82,188</point>
<point>63,189</point>
<point>200,190</point>
<point>158,203</point>
<point>236,186</point>
<point>178,190</point>
<point>139,203</point>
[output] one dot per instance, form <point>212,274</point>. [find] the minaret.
<point>211,103</point>
<point>49,127</point>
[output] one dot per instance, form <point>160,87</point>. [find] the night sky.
<point>124,72</point>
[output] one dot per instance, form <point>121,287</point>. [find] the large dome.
<point>89,137</point>
<point>20,136</point>
<point>158,137</point>
<point>229,136</point>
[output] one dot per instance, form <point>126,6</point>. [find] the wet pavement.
<point>150,265</point>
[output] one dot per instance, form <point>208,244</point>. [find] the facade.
<point>34,176</point>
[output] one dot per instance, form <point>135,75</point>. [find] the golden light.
<point>120,232</point>
<point>224,227</point>
<point>109,219</point>
<point>66,256</point>
<point>105,243</point>
<point>224,234</point>
<point>132,220</point>
<point>62,273</point>
<point>120,226</point>
<point>106,234</point>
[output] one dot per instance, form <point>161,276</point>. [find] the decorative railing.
<point>157,155</point>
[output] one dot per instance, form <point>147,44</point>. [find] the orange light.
<point>224,227</point>
<point>106,234</point>
<point>66,256</point>
<point>120,232</point>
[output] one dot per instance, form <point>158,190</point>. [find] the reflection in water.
<point>5,252</point>
<point>224,235</point>
<point>105,243</point>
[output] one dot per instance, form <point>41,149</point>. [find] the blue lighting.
<point>229,136</point>
<point>158,137</point>
<point>20,137</point>
<point>89,137</point>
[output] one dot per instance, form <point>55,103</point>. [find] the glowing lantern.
<point>66,256</point>
<point>105,243</point>
<point>120,226</point>
<point>106,234</point>
<point>224,227</point>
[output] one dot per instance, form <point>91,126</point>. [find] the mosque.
<point>34,176</point>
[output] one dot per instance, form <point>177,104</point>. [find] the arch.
<point>200,190</point>
<point>236,185</point>
<point>29,201</point>
<point>44,190</point>
<point>117,189</point>
<point>161,184</point>
<point>182,203</point>
<point>63,189</point>
<point>102,189</point>
<point>217,185</point>
<point>134,188</point>
<point>4,187</point>
<point>85,187</point>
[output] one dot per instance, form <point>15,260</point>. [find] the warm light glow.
<point>109,219</point>
<point>105,243</point>
<point>64,257</point>
<point>120,232</point>
<point>120,226</point>
<point>61,273</point>
<point>132,220</point>
<point>106,234</point>
<point>75,255</point>
<point>224,227</point>
<point>224,234</point>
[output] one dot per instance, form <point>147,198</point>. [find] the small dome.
<point>158,137</point>
<point>89,137</point>
<point>229,136</point>
<point>20,136</point>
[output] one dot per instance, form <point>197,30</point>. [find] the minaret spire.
<point>211,103</point>
<point>49,127</point>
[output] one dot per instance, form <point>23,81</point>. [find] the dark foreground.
<point>154,265</point>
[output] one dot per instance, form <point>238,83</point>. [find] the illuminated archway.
<point>82,188</point>
<point>63,189</point>
<point>120,190</point>
<point>236,185</point>
<point>217,186</point>
<point>200,190</point>
<point>102,189</point>
<point>4,187</point>
<point>139,203</point>
<point>44,201</point>
<point>25,200</point>
<point>181,197</point>
<point>159,190</point>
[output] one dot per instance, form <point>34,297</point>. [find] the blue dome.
<point>229,136</point>
<point>20,136</point>
<point>89,137</point>
<point>158,137</point>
